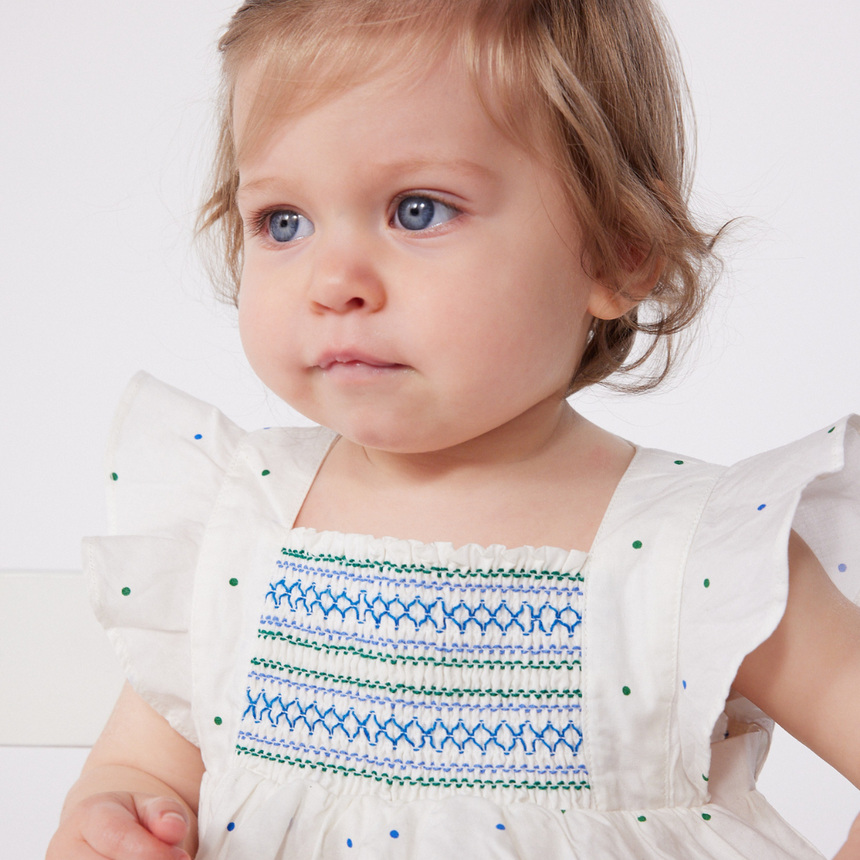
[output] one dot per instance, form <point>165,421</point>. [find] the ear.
<point>608,302</point>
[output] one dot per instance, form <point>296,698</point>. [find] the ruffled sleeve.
<point>736,582</point>
<point>166,460</point>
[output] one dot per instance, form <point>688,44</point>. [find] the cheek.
<point>529,305</point>
<point>259,325</point>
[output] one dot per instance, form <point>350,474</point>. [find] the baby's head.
<point>581,97</point>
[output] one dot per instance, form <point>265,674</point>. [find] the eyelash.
<point>259,221</point>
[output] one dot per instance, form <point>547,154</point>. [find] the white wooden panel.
<point>59,677</point>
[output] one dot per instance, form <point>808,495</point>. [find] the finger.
<point>164,817</point>
<point>113,830</point>
<point>851,849</point>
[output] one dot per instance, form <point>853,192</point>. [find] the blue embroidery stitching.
<point>527,618</point>
<point>412,703</point>
<point>503,736</point>
<point>435,586</point>
<point>406,764</point>
<point>328,633</point>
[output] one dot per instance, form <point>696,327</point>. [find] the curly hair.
<point>595,86</point>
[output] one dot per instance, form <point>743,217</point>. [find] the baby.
<point>457,619</point>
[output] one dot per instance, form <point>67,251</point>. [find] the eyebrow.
<point>411,165</point>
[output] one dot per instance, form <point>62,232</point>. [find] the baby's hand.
<point>120,825</point>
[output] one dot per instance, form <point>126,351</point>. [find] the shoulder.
<point>168,454</point>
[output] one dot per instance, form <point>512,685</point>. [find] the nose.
<point>345,278</point>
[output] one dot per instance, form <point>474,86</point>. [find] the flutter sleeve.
<point>166,460</point>
<point>736,581</point>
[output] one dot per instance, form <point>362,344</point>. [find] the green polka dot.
<point>126,591</point>
<point>114,476</point>
<point>679,462</point>
<point>705,778</point>
<point>234,582</point>
<point>707,583</point>
<point>706,816</point>
<point>641,818</point>
<point>218,721</point>
<point>831,429</point>
<point>266,472</point>
<point>637,544</point>
<point>625,690</point>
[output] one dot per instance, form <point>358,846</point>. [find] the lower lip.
<point>358,370</point>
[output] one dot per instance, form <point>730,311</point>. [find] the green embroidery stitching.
<point>391,778</point>
<point>408,658</point>
<point>421,691</point>
<point>440,572</point>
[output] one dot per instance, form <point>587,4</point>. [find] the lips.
<point>330,360</point>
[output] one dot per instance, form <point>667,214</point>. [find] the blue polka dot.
<point>349,843</point>
<point>500,827</point>
<point>843,568</point>
<point>394,834</point>
<point>685,684</point>
<point>762,507</point>
<point>231,826</point>
<point>199,436</point>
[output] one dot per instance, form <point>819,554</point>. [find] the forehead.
<point>440,69</point>
<point>411,114</point>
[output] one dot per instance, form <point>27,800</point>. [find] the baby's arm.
<point>138,793</point>
<point>806,676</point>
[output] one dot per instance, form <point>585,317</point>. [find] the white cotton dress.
<point>364,697</point>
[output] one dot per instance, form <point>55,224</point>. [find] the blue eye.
<point>286,226</point>
<point>419,213</point>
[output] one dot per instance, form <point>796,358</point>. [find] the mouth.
<point>351,359</point>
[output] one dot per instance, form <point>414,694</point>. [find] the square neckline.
<point>444,548</point>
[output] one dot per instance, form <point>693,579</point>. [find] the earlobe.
<point>609,302</point>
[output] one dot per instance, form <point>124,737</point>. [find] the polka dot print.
<point>637,544</point>
<point>679,462</point>
<point>641,818</point>
<point>349,843</point>
<point>394,834</point>
<point>234,582</point>
<point>625,690</point>
<point>843,568</point>
<point>218,721</point>
<point>762,507</point>
<point>126,591</point>
<point>199,436</point>
<point>265,472</point>
<point>831,429</point>
<point>231,827</point>
<point>684,683</point>
<point>706,816</point>
<point>502,826</point>
<point>114,476</point>
<point>707,583</point>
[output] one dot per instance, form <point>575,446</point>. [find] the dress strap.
<point>633,583</point>
<point>258,505</point>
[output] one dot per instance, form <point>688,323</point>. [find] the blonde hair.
<point>594,85</point>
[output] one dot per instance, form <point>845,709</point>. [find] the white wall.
<point>105,115</point>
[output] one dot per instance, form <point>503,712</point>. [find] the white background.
<point>106,126</point>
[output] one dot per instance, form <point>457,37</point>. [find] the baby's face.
<point>412,278</point>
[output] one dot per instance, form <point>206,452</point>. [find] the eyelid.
<point>258,220</point>
<point>257,225</point>
<point>430,195</point>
